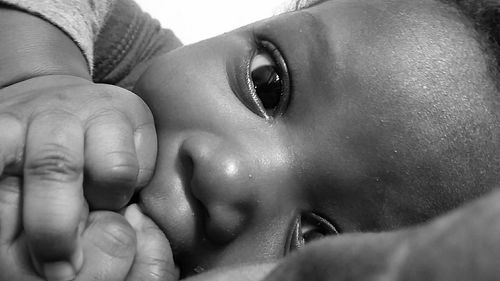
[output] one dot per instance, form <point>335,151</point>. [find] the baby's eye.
<point>309,227</point>
<point>269,81</point>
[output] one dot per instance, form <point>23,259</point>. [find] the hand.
<point>53,129</point>
<point>115,248</point>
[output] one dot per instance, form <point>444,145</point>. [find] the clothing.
<point>116,37</point>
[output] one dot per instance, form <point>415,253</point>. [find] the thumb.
<point>109,247</point>
<point>153,260</point>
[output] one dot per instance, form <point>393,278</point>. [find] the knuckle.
<point>111,94</point>
<point>104,114</point>
<point>122,93</point>
<point>55,163</point>
<point>105,117</point>
<point>126,98</point>
<point>57,112</point>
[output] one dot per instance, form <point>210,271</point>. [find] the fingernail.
<point>78,260</point>
<point>134,216</point>
<point>59,271</point>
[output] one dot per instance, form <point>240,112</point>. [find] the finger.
<point>109,247</point>
<point>110,160</point>
<point>10,209</point>
<point>15,263</point>
<point>146,148</point>
<point>53,197</point>
<point>11,144</point>
<point>141,118</point>
<point>153,260</point>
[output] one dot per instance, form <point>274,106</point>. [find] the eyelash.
<point>319,228</point>
<point>266,49</point>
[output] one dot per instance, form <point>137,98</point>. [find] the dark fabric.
<point>128,41</point>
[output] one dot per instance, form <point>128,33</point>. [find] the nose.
<point>222,180</point>
<point>220,167</point>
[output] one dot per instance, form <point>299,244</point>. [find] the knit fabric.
<point>82,20</point>
<point>116,37</point>
<point>128,42</point>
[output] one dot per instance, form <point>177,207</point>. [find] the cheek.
<point>375,157</point>
<point>261,243</point>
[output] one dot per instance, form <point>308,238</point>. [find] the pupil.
<point>267,84</point>
<point>312,235</point>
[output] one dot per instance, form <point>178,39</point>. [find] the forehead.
<point>428,26</point>
<point>394,55</point>
<point>411,49</point>
<point>418,38</point>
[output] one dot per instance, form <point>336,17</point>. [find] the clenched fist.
<point>65,137</point>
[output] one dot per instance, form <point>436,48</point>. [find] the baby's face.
<point>341,117</point>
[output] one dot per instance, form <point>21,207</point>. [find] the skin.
<point>397,131</point>
<point>461,245</point>
<point>56,125</point>
<point>381,112</point>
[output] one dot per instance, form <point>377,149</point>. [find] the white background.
<point>194,20</point>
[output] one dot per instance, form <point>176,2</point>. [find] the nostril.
<point>222,194</point>
<point>224,225</point>
<point>185,166</point>
<point>219,182</point>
